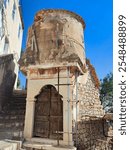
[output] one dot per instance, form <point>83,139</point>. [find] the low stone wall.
<point>92,134</point>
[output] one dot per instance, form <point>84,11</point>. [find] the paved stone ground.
<point>10,145</point>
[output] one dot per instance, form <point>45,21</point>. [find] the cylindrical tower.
<point>56,36</point>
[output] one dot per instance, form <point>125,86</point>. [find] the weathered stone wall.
<point>88,97</point>
<point>92,134</point>
<point>55,37</point>
<point>7,78</point>
<point>90,104</point>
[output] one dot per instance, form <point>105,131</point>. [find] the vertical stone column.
<point>67,118</point>
<point>67,124</point>
<point>29,118</point>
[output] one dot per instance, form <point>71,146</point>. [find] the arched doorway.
<point>48,113</point>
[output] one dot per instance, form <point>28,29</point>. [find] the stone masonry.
<point>93,135</point>
<point>88,96</point>
<point>91,130</point>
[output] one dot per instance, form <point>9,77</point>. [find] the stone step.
<point>18,101</point>
<point>11,120</point>
<point>19,92</point>
<point>43,146</point>
<point>13,116</point>
<point>11,123</point>
<point>18,97</point>
<point>9,129</point>
<point>17,107</point>
<point>14,112</point>
<point>12,134</point>
<point>16,104</point>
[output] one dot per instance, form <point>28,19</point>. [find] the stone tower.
<point>53,61</point>
<point>55,39</point>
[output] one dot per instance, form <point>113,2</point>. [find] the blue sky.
<point>97,15</point>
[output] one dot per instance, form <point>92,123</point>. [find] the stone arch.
<point>48,118</point>
<point>42,88</point>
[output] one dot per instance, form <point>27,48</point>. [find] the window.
<point>6,45</point>
<point>1,22</point>
<point>14,10</point>
<point>19,31</point>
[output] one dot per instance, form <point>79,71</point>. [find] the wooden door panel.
<point>48,114</point>
<point>41,129</point>
<point>56,109</point>
<point>42,109</point>
<point>42,119</point>
<point>54,127</point>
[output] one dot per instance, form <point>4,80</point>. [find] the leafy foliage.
<point>106,92</point>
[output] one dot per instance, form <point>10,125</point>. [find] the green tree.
<point>106,92</point>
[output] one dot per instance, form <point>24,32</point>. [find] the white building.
<point>11,30</point>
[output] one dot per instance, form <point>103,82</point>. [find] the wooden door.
<point>48,113</point>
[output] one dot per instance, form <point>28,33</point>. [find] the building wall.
<point>11,30</point>
<point>88,96</point>
<point>7,78</point>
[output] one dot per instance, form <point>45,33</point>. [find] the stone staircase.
<point>12,117</point>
